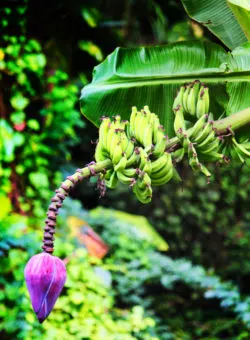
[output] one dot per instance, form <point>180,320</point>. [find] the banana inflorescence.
<point>201,143</point>
<point>137,151</point>
<point>137,148</point>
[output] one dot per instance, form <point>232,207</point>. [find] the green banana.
<point>121,165</point>
<point>206,99</point>
<point>143,195</point>
<point>179,98</point>
<point>103,132</point>
<point>148,135</point>
<point>116,154</point>
<point>163,180</point>
<point>132,159</point>
<point>160,147</point>
<point>241,147</point>
<point>100,154</point>
<point>191,102</point>
<point>159,163</point>
<point>210,137</point>
<point>185,98</point>
<point>113,180</point>
<point>179,122</point>
<point>203,133</point>
<point>198,127</point>
<point>124,178</point>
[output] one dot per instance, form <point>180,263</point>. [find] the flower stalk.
<point>61,193</point>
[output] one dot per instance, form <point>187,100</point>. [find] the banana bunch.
<point>207,144</point>
<point>114,144</point>
<point>201,144</point>
<point>137,151</point>
<point>231,148</point>
<point>192,99</point>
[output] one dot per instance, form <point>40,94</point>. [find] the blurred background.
<point>177,268</point>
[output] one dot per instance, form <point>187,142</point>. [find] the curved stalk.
<point>61,193</point>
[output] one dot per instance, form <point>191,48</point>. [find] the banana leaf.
<point>241,10</point>
<point>218,18</point>
<point>152,75</point>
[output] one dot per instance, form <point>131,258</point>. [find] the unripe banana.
<point>179,122</point>
<point>143,195</point>
<point>132,120</point>
<point>103,132</point>
<point>198,127</point>
<point>130,172</point>
<point>156,126</point>
<point>240,147</point>
<point>132,159</point>
<point>130,149</point>
<point>185,98</point>
<point>210,137</point>
<point>203,134</point>
<point>112,182</point>
<point>116,154</point>
<point>125,179</point>
<point>201,104</point>
<point>147,136</point>
<point>147,113</point>
<point>100,154</point>
<point>159,163</point>
<point>206,99</point>
<point>163,180</point>
<point>160,147</point>
<point>196,88</point>
<point>143,158</point>
<point>121,165</point>
<point>205,170</point>
<point>166,164</point>
<point>178,155</point>
<point>214,145</point>
<point>179,99</point>
<point>191,102</point>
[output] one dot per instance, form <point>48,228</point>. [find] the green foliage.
<point>241,10</point>
<point>86,308</point>
<point>209,14</point>
<point>38,121</point>
<point>128,76</point>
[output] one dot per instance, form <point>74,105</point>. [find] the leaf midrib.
<point>126,82</point>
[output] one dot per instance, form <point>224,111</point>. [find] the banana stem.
<point>61,193</point>
<point>234,122</point>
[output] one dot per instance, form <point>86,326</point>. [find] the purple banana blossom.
<point>45,276</point>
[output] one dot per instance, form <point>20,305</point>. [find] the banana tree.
<point>194,102</point>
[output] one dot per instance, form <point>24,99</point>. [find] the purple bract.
<point>45,276</point>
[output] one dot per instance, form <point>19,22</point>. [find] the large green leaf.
<point>152,75</point>
<point>218,18</point>
<point>241,10</point>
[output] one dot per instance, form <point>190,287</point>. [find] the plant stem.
<point>234,121</point>
<point>61,193</point>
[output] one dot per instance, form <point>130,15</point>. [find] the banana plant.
<point>193,100</point>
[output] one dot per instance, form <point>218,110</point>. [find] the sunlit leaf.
<point>241,10</point>
<point>152,75</point>
<point>139,224</point>
<point>218,18</point>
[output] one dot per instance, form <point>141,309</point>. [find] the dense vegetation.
<point>179,272</point>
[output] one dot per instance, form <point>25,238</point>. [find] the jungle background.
<point>177,268</point>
